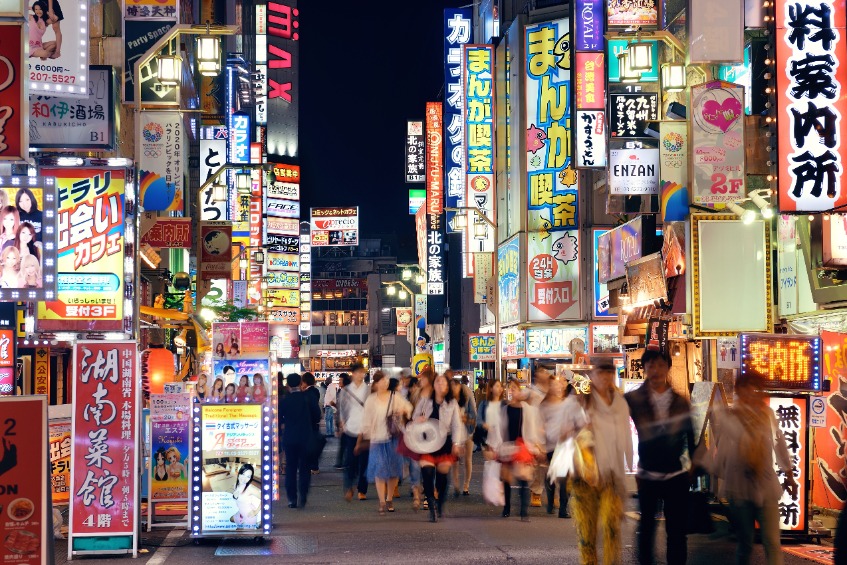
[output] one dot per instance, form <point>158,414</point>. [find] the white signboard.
<point>634,171</point>
<point>590,139</point>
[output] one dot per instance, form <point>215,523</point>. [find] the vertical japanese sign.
<point>589,24</point>
<point>415,152</point>
<point>630,112</point>
<point>41,370</point>
<point>14,133</point>
<point>170,446</point>
<point>23,471</point>
<point>434,246</point>
<point>791,418</point>
<point>161,147</point>
<point>239,138</point>
<point>553,235</point>
<point>90,263</point>
<point>283,79</point>
<point>213,146</point>
<point>60,459</point>
<point>509,281</point>
<point>58,52</point>
<point>591,139</point>
<point>831,441</point>
<point>717,143</point>
<point>811,48</point>
<point>590,81</point>
<point>104,458</point>
<point>457,33</point>
<point>673,168</point>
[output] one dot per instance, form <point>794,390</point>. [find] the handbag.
<point>492,486</point>
<point>561,464</point>
<point>393,422</point>
<point>585,459</point>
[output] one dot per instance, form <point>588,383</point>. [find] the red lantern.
<point>159,366</point>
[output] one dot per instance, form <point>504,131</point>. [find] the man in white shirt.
<point>351,405</point>
<point>329,406</point>
<point>537,392</point>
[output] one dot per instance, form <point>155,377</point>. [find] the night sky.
<point>366,68</point>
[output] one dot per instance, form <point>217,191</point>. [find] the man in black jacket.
<point>300,414</point>
<point>309,388</point>
<point>663,420</point>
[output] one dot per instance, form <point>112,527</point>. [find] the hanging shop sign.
<point>554,342</point>
<point>791,417</point>
<point>282,243</point>
<point>335,226</point>
<point>618,46</point>
<point>434,160</point>
<point>60,458</point>
<point>483,271</point>
<point>478,64</point>
<point>812,104</point>
<point>673,170</point>
<point>284,209</point>
<point>717,143</point>
<point>601,292</point>
<point>215,250</point>
<point>104,458</point>
<point>57,122</point>
<point>590,25</point>
<point>433,233</point>
<point>160,153</point>
<point>590,81</point>
<point>645,279</point>
<point>170,416</point>
<point>232,471</point>
<point>458,28</point>
<point>634,171</point>
<point>415,152</point>
<point>404,317</point>
<point>139,36</point>
<point>625,243</point>
<point>512,343</point>
<point>283,279</point>
<point>591,139</point>
<point>630,112</point>
<point>285,182</point>
<point>164,231</point>
<point>90,252</point>
<point>642,13</point>
<point>482,348</point>
<point>14,129</point>
<point>786,362</point>
<point>213,143</point>
<point>552,240</point>
<point>24,527</point>
<point>58,48</point>
<point>717,258</point>
<point>283,78</point>
<point>239,138</point>
<point>151,9</point>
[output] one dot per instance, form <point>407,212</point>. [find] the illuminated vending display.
<point>786,362</point>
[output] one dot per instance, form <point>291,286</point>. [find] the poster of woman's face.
<point>57,30</point>
<point>21,256</point>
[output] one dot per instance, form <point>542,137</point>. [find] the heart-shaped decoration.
<point>722,115</point>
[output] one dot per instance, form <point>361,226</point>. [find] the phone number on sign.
<point>45,77</point>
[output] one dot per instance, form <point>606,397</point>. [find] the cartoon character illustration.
<point>535,138</point>
<point>480,183</point>
<point>541,224</point>
<point>567,176</point>
<point>565,248</point>
<point>561,50</point>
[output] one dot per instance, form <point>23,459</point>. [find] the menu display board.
<point>786,362</point>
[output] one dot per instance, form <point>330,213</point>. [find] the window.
<point>355,339</point>
<point>341,339</point>
<point>364,339</point>
<point>315,339</point>
<point>330,339</point>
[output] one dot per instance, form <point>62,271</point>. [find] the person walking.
<point>329,406</point>
<point>537,392</point>
<point>300,414</point>
<point>552,415</point>
<point>435,402</point>
<point>665,449</point>
<point>747,438</point>
<point>411,394</point>
<point>467,411</point>
<point>309,386</point>
<point>351,410</point>
<point>605,413</point>
<point>385,465</point>
<point>343,381</point>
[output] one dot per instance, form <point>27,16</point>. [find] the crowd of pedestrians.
<point>572,447</point>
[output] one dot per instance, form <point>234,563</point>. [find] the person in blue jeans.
<point>330,397</point>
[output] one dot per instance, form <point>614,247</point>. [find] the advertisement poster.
<point>630,112</point>
<point>673,169</point>
<point>170,446</point>
<point>483,271</point>
<point>512,343</point>
<point>161,147</point>
<point>634,171</point>
<point>23,472</point>
<point>829,468</point>
<point>231,470</point>
<point>335,226</point>
<point>458,26</point>
<point>240,380</point>
<point>76,123</point>
<point>215,250</point>
<point>811,102</point>
<point>591,139</point>
<point>13,103</point>
<point>552,240</point>
<point>404,317</point>
<point>604,339</point>
<point>482,348</point>
<point>635,13</point>
<point>717,143</point>
<point>104,457</point>
<point>792,419</point>
<point>226,340</point>
<point>60,459</point>
<point>601,291</point>
<point>139,36</point>
<point>58,47</point>
<point>509,281</point>
<point>90,264</point>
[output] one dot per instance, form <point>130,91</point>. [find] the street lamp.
<point>208,54</point>
<point>406,274</point>
<point>640,56</point>
<point>242,182</point>
<point>169,72</point>
<point>403,294</point>
<point>219,192</point>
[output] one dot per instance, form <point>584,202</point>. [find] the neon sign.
<point>786,362</point>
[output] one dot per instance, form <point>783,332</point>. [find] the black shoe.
<point>432,516</point>
<point>549,509</point>
<point>505,514</point>
<point>292,505</point>
<point>565,514</point>
<point>466,493</point>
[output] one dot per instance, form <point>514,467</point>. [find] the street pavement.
<point>330,530</point>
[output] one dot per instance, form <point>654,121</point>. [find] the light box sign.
<point>645,279</point>
<point>335,226</point>
<point>417,198</point>
<point>104,458</point>
<point>239,138</point>
<point>791,414</point>
<point>785,362</point>
<point>213,141</point>
<point>215,250</point>
<point>629,113</point>
<point>283,209</point>
<point>151,9</point>
<point>591,139</point>
<point>415,152</point>
<point>282,243</point>
<point>717,143</point>
<point>458,28</point>
<point>164,231</point>
<point>634,171</point>
<point>512,343</point>
<point>90,264</point>
<point>590,81</point>
<point>58,48</point>
<point>283,78</point>
<point>161,146</point>
<point>810,79</point>
<point>673,168</point>
<point>233,471</point>
<point>625,243</point>
<point>139,36</point>
<point>601,291</point>
<point>170,447</point>
<point>552,226</point>
<point>14,130</point>
<point>482,348</point>
<point>636,14</point>
<point>26,524</point>
<point>509,281</point>
<point>589,25</point>
<point>554,342</point>
<point>60,459</point>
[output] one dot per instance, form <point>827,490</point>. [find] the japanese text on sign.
<point>787,362</point>
<point>457,32</point>
<point>791,420</point>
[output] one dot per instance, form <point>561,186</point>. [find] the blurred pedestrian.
<point>467,411</point>
<point>301,415</point>
<point>747,438</point>
<point>412,391</point>
<point>665,449</point>
<point>552,415</point>
<point>605,413</point>
<point>329,406</point>
<point>343,381</point>
<point>308,384</point>
<point>537,392</point>
<point>351,409</point>
<point>385,465</point>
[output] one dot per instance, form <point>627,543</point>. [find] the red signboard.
<point>23,475</point>
<point>434,160</point>
<point>166,232</point>
<point>287,173</point>
<point>590,81</point>
<point>811,48</point>
<point>829,466</point>
<point>14,144</point>
<point>104,474</point>
<point>792,419</point>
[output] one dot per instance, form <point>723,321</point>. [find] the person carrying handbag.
<point>598,422</point>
